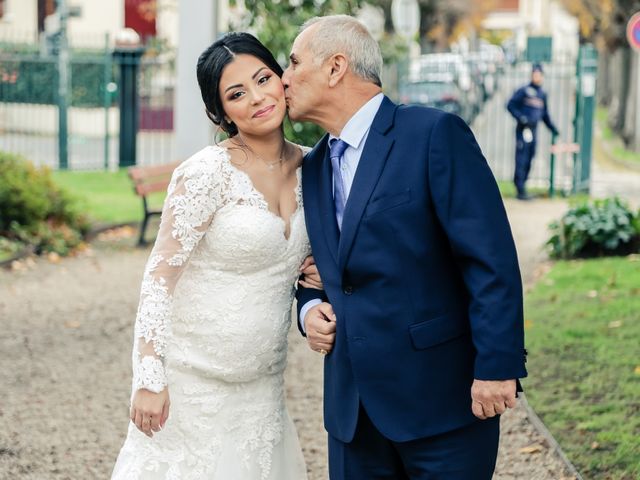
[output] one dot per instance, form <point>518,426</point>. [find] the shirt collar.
<point>358,125</point>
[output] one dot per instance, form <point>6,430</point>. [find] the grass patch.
<point>508,190</point>
<point>615,144</point>
<point>9,248</point>
<point>583,335</point>
<point>107,197</point>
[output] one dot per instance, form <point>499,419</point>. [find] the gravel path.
<point>65,366</point>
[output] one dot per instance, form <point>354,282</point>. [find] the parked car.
<point>484,73</point>
<point>437,93</point>
<point>430,66</point>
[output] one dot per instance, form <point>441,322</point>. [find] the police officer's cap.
<point>537,67</point>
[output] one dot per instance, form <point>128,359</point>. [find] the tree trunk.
<point>604,78</point>
<point>620,90</point>
<point>629,130</point>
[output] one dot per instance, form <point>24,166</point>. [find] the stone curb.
<point>553,443</point>
<point>97,230</point>
<point>25,252</point>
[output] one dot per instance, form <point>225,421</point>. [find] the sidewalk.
<point>65,368</point>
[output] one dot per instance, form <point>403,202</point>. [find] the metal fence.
<point>156,138</point>
<point>29,111</point>
<point>29,123</point>
<point>494,127</point>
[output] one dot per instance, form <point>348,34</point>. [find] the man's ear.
<point>339,65</point>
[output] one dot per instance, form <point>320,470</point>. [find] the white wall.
<point>98,18</point>
<point>20,21</point>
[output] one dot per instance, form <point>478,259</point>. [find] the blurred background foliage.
<point>277,23</point>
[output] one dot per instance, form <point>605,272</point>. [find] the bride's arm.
<point>186,215</point>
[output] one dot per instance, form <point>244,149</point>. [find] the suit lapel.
<point>372,161</point>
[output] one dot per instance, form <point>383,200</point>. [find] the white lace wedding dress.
<point>212,326</point>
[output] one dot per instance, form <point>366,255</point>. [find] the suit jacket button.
<point>348,290</point>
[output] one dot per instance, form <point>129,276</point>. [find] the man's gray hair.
<point>345,34</point>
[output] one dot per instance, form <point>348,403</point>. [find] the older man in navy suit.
<point>421,314</point>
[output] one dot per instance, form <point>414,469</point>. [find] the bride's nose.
<point>256,96</point>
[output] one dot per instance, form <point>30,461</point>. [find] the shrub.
<point>593,229</point>
<point>34,210</point>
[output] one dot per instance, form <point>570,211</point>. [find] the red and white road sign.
<point>633,31</point>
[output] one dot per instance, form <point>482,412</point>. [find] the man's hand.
<point>492,397</point>
<point>320,327</point>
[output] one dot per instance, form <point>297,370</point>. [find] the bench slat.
<point>141,174</point>
<point>144,189</point>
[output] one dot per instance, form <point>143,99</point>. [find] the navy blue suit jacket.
<point>423,278</point>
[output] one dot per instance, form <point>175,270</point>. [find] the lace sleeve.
<point>187,213</point>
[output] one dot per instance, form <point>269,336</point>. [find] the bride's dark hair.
<point>212,62</point>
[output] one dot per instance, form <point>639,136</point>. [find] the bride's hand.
<point>311,277</point>
<point>149,411</point>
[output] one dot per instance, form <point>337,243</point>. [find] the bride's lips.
<point>264,112</point>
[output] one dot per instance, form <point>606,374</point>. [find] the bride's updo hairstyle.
<point>212,62</point>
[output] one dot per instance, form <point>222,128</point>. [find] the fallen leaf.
<point>528,324</point>
<point>592,294</point>
<point>72,324</point>
<point>637,370</point>
<point>17,265</point>
<point>615,324</point>
<point>53,257</point>
<point>533,448</point>
<point>595,446</point>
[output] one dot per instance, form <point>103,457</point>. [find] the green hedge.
<point>35,211</point>
<point>34,80</point>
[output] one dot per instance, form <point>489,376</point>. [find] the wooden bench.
<point>147,180</point>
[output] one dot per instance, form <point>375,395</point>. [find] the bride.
<point>210,339</point>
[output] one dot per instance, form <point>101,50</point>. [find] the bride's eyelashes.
<point>234,95</point>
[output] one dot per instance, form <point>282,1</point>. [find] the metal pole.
<point>64,80</point>
<point>107,99</point>
<point>552,165</point>
<point>637,126</point>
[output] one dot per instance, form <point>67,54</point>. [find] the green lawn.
<point>615,144</point>
<point>107,197</point>
<point>583,335</point>
<point>508,190</point>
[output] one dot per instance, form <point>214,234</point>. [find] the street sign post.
<point>633,36</point>
<point>405,15</point>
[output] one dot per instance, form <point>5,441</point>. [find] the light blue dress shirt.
<point>355,134</point>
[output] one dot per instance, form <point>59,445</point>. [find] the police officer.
<point>528,105</point>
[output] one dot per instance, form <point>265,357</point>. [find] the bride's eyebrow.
<point>240,85</point>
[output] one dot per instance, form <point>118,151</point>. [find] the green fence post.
<point>552,166</point>
<point>587,70</point>
<point>128,59</point>
<point>64,81</point>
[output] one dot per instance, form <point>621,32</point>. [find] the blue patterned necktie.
<point>336,150</point>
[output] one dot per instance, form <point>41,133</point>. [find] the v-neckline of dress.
<point>286,224</point>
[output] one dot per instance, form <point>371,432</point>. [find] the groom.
<point>422,305</point>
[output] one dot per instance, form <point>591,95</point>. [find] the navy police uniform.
<point>528,105</point>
